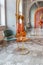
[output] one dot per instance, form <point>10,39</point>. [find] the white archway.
<point>33,6</point>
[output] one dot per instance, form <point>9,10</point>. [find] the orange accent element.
<point>20,27</point>
<point>41,24</point>
<point>38,10</point>
<point>21,33</point>
<point>24,39</point>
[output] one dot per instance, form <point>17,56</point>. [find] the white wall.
<point>11,18</point>
<point>2,12</point>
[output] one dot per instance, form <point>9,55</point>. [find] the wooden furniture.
<point>1,35</point>
<point>1,38</point>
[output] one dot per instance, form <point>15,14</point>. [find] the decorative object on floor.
<point>20,29</point>
<point>20,32</point>
<point>21,35</point>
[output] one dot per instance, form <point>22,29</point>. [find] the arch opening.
<point>34,7</point>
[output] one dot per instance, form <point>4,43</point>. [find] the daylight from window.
<point>2,12</point>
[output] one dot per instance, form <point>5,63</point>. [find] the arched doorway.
<point>38,18</point>
<point>34,7</point>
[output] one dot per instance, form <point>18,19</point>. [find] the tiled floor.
<point>9,57</point>
<point>35,57</point>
